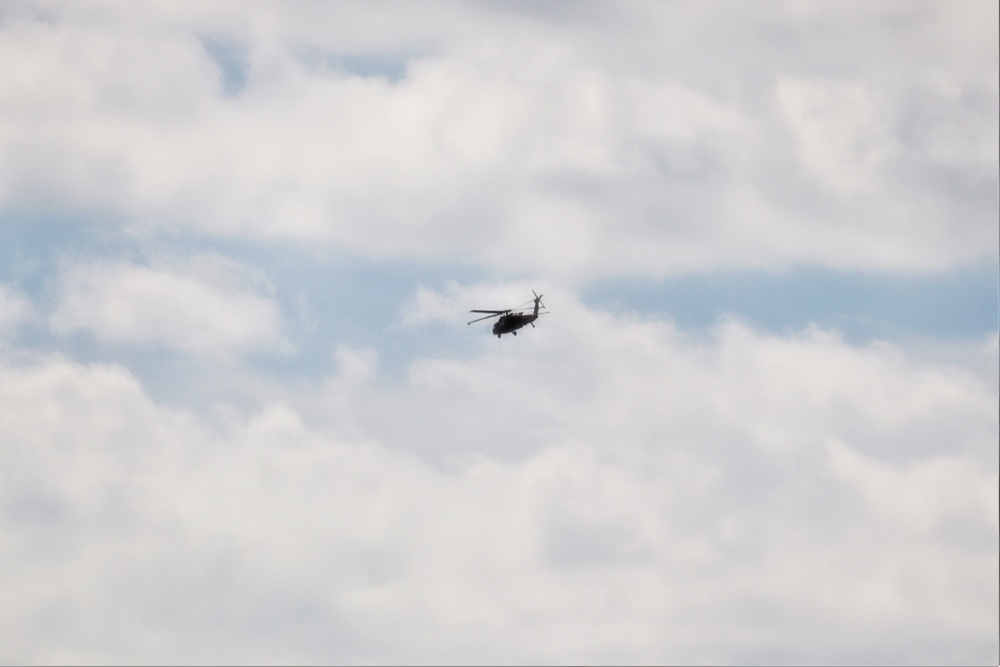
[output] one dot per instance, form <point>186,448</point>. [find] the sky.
<point>243,419</point>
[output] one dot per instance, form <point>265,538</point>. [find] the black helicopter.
<point>512,319</point>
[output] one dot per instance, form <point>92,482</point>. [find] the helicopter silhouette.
<point>512,319</point>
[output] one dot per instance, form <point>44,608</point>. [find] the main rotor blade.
<point>496,314</point>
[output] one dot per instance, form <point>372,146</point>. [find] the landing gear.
<point>514,332</point>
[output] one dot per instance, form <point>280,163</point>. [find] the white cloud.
<point>925,496</point>
<point>519,141</point>
<point>206,305</point>
<point>842,134</point>
<point>14,309</point>
<point>600,489</point>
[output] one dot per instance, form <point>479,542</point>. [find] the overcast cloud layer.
<point>242,418</point>
<point>582,139</point>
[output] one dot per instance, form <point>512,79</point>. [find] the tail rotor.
<point>538,300</point>
<point>538,303</point>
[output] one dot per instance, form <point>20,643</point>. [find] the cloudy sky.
<point>242,417</point>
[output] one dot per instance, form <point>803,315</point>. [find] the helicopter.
<point>512,319</point>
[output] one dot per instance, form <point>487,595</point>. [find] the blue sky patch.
<point>961,303</point>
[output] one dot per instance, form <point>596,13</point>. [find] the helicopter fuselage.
<point>511,322</point>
